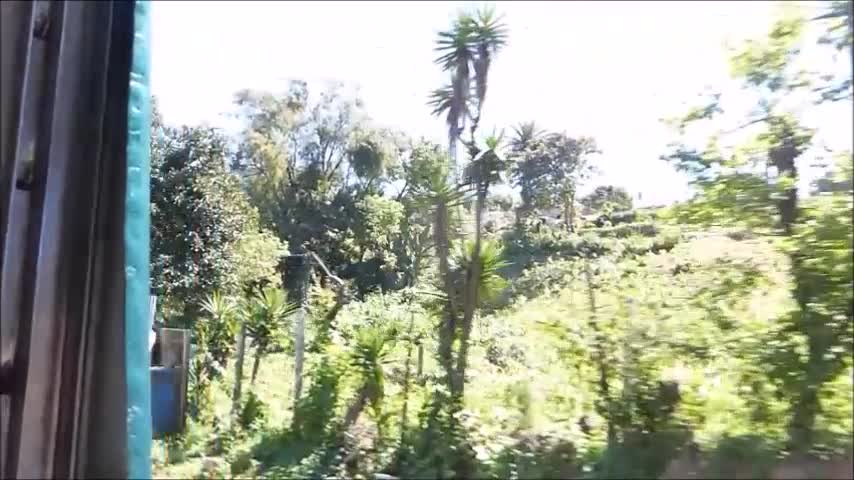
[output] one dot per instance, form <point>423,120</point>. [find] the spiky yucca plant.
<point>265,315</point>
<point>369,355</point>
<point>490,283</point>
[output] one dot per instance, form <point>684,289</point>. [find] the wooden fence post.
<point>297,274</point>
<point>238,369</point>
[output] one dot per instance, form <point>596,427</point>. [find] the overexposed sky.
<point>610,70</point>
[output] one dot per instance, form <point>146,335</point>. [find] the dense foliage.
<point>710,338</point>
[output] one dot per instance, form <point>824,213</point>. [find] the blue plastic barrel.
<point>165,400</point>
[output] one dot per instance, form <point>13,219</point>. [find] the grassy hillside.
<point>663,332</point>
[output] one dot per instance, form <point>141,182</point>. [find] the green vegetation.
<point>711,337</point>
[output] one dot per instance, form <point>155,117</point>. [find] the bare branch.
<point>326,271</point>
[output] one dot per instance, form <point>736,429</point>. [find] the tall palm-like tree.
<point>456,57</point>
<point>261,316</point>
<point>438,193</point>
<point>490,35</point>
<point>466,52</point>
<point>484,170</point>
<point>525,134</point>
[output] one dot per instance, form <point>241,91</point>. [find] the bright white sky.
<point>606,69</point>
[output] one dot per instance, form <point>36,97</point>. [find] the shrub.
<point>626,230</point>
<point>616,218</point>
<point>733,454</point>
<point>537,456</point>
<point>253,413</point>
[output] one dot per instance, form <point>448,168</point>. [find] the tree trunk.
<point>572,210</point>
<point>299,352</point>
<point>297,275</point>
<point>802,424</point>
<point>448,327</point>
<point>257,364</point>
<point>566,216</point>
<point>783,157</point>
<point>406,386</point>
<point>452,155</point>
<point>355,409</point>
<point>420,374</point>
<point>238,369</point>
<point>817,369</point>
<point>416,269</point>
<point>472,287</point>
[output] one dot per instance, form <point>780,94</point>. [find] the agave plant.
<point>490,282</point>
<point>487,165</point>
<point>265,315</point>
<point>369,355</point>
<point>220,327</point>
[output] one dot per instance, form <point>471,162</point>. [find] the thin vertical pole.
<point>238,369</point>
<point>297,273</point>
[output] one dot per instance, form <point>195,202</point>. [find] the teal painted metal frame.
<point>136,238</point>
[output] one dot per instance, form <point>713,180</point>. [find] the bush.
<point>537,456</point>
<point>241,462</point>
<point>500,202</point>
<point>626,230</point>
<point>616,218</point>
<point>559,243</point>
<point>544,277</point>
<point>643,454</point>
<point>733,454</point>
<point>253,413</point>
<point>658,244</point>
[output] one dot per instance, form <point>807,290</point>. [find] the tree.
<point>839,34</point>
<point>425,165</point>
<point>221,327</point>
<point>293,156</point>
<point>608,197</point>
<point>466,53</point>
<point>198,214</point>
<point>381,218</point>
<point>259,253</point>
<point>734,186</point>
<point>310,165</point>
<point>765,66</point>
<point>484,170</point>
<point>524,135</point>
<point>490,282</point>
<point>549,170</point>
<point>372,156</point>
<point>837,179</point>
